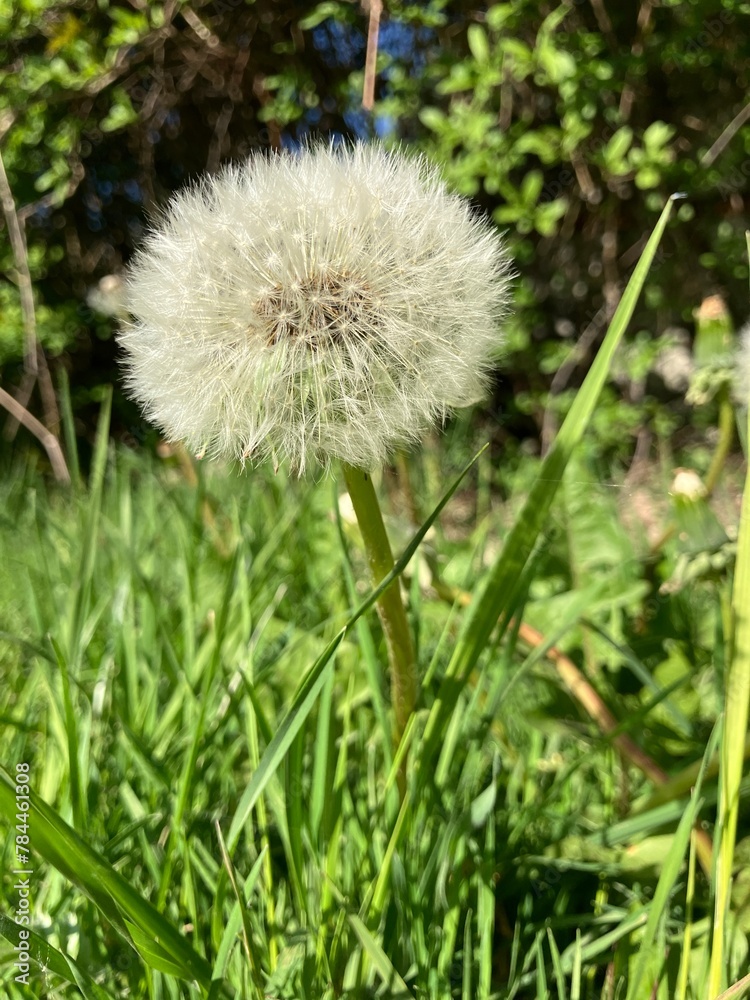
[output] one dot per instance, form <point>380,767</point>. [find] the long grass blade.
<point>658,908</point>
<point>496,592</point>
<point>737,697</point>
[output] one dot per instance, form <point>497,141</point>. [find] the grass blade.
<point>236,917</point>
<point>668,877</point>
<point>247,931</point>
<point>282,740</point>
<point>736,697</point>
<point>69,430</point>
<point>59,844</point>
<point>496,592</point>
<point>50,959</point>
<point>397,988</point>
<point>736,991</point>
<point>562,993</point>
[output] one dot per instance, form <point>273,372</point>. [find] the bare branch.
<point>53,198</point>
<point>35,362</point>
<point>37,428</point>
<point>373,30</point>
<point>726,137</point>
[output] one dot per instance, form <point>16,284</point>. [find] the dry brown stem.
<point>373,30</point>
<point>37,428</point>
<point>35,363</point>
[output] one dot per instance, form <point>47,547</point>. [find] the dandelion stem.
<point>390,606</point>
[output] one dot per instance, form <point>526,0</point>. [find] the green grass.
<point>195,676</point>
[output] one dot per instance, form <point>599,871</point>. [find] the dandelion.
<point>333,304</point>
<point>329,305</point>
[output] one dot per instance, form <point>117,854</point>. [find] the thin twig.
<point>21,258</point>
<point>604,23</point>
<point>47,391</point>
<point>35,363</point>
<point>37,428</point>
<point>22,396</point>
<point>373,30</point>
<point>726,137</point>
<point>566,369</point>
<point>7,117</point>
<point>627,98</point>
<point>53,198</point>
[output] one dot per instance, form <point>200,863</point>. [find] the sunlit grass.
<point>195,676</point>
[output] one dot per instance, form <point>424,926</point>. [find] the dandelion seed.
<point>330,304</point>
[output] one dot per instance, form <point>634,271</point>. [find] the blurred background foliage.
<point>568,123</point>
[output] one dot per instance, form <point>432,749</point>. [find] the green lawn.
<point>206,722</point>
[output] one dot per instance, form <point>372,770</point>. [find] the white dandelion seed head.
<point>329,304</point>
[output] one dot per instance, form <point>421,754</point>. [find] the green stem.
<point>390,606</point>
<point>726,434</point>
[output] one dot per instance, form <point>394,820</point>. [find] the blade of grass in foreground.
<point>738,990</point>
<point>736,698</point>
<point>397,988</point>
<point>82,599</point>
<point>496,592</point>
<point>59,844</point>
<point>198,729</point>
<point>236,918</point>
<point>68,422</point>
<point>659,904</point>
<point>247,931</point>
<point>310,687</point>
<point>50,960</point>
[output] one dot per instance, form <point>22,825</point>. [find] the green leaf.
<point>121,113</point>
<point>647,177</point>
<point>656,136</point>
<point>531,188</point>
<point>433,118</point>
<point>321,13</point>
<point>618,145</point>
<point>478,44</point>
<point>498,14</point>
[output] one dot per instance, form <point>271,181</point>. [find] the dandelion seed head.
<point>330,304</point>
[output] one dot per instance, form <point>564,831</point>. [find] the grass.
<point>194,675</point>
